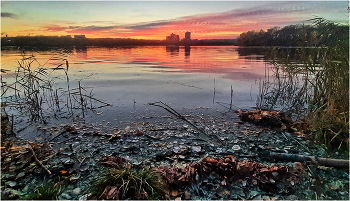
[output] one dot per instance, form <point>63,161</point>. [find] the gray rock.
<point>236,148</point>
<point>196,149</point>
<point>76,191</point>
<point>64,196</point>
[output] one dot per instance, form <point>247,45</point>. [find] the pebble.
<point>236,148</point>
<point>196,148</point>
<point>65,196</point>
<point>76,191</point>
<point>12,184</point>
<point>20,175</point>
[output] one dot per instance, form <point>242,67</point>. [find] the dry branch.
<point>178,115</point>
<point>37,160</point>
<point>328,162</point>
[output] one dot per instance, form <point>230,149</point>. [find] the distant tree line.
<point>68,42</point>
<point>317,34</point>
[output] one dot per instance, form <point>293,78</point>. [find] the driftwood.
<point>327,162</point>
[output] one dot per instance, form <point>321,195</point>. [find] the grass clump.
<point>128,183</point>
<point>45,192</point>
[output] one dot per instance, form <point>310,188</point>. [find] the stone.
<point>253,194</point>
<point>196,149</point>
<point>12,184</point>
<point>76,191</point>
<point>20,175</point>
<point>292,197</point>
<point>65,196</point>
<point>236,148</point>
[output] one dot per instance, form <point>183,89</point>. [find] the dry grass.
<point>314,83</point>
<point>128,183</point>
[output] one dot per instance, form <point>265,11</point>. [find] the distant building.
<point>79,36</point>
<point>173,37</point>
<point>67,36</point>
<point>188,35</point>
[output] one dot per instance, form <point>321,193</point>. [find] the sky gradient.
<point>157,19</point>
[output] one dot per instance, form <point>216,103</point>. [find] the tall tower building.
<point>188,35</point>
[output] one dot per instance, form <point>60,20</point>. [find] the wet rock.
<point>76,191</point>
<point>67,161</point>
<point>64,196</point>
<point>177,150</point>
<point>11,184</point>
<point>84,197</point>
<point>253,194</point>
<point>292,197</point>
<point>236,148</point>
<point>20,175</point>
<point>196,149</point>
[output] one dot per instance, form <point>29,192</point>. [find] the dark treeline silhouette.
<point>67,41</point>
<point>320,33</point>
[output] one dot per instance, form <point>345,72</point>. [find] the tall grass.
<point>35,95</point>
<point>329,113</point>
<point>313,82</point>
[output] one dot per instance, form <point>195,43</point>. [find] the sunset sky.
<point>157,19</point>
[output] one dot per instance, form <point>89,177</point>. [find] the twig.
<point>303,146</point>
<point>231,98</point>
<point>336,134</point>
<point>81,99</point>
<point>230,108</point>
<point>178,115</point>
<point>214,91</point>
<point>36,159</point>
<point>63,132</point>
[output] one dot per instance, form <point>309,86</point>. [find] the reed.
<point>34,93</point>
<point>312,83</point>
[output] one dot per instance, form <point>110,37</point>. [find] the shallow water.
<point>185,78</point>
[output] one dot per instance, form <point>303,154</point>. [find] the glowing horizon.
<point>156,20</point>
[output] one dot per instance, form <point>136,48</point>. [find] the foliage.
<point>130,184</point>
<point>45,192</point>
<point>321,32</point>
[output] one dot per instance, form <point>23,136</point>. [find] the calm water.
<point>182,77</point>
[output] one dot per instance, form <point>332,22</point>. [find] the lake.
<point>192,80</point>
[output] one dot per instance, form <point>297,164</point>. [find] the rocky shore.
<point>71,154</point>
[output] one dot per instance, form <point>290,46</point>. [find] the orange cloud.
<point>205,26</point>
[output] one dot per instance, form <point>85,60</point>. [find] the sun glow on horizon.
<point>155,21</point>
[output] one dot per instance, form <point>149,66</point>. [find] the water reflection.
<point>81,49</point>
<point>230,61</point>
<point>125,75</point>
<point>187,52</point>
<point>174,50</point>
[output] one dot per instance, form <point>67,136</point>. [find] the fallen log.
<point>327,162</point>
